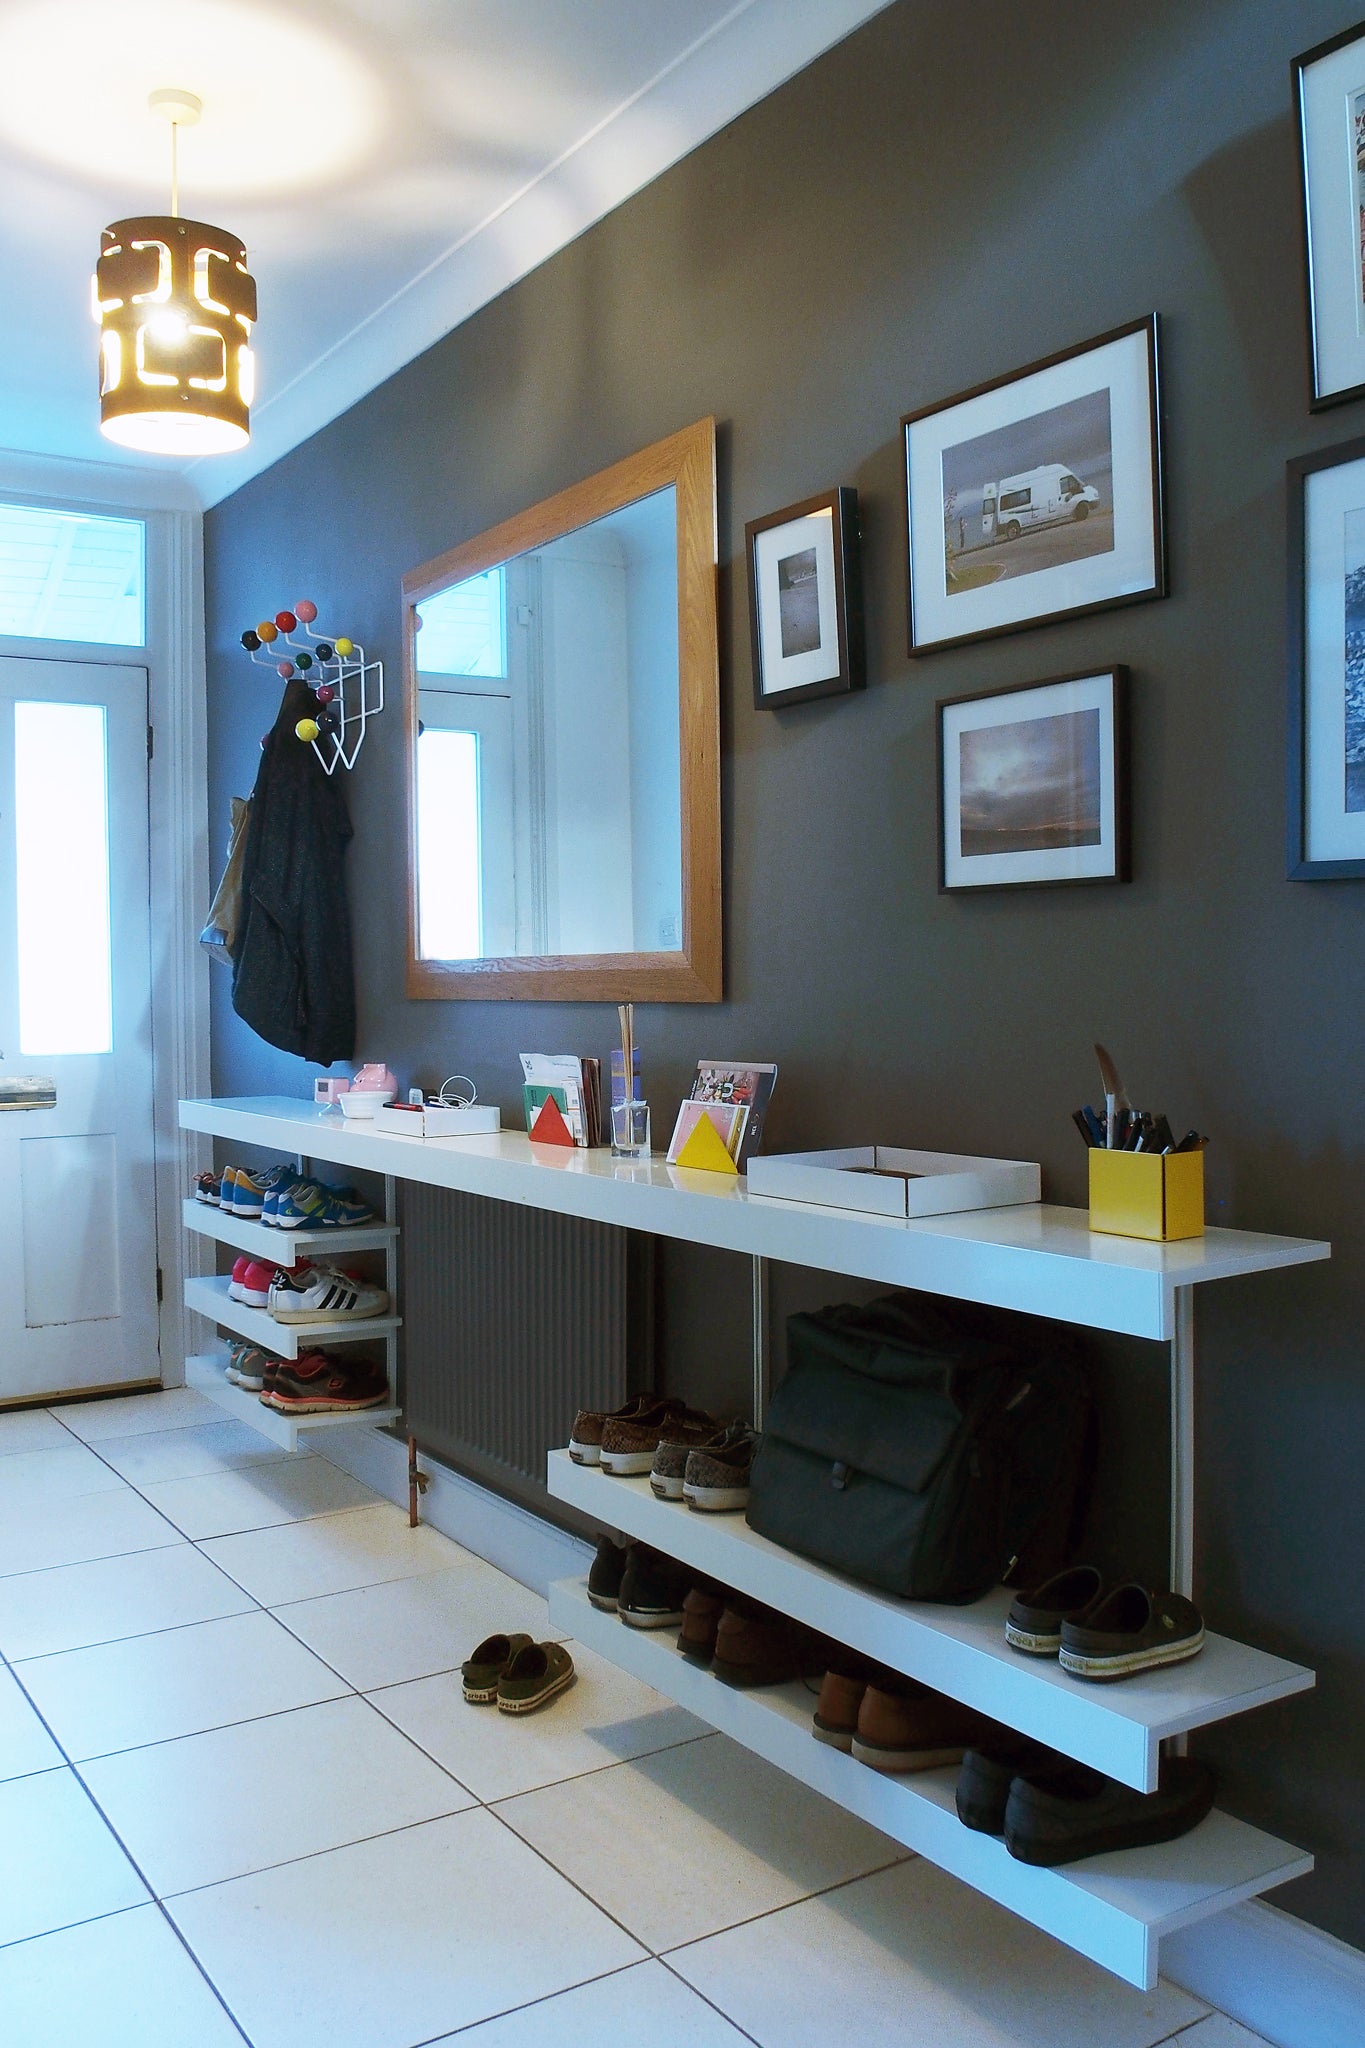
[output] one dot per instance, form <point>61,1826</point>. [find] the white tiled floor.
<point>241,1799</point>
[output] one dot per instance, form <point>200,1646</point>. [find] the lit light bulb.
<point>168,327</point>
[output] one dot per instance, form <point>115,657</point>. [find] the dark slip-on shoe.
<point>988,1773</point>
<point>537,1674</point>
<point>1034,1622</point>
<point>653,1589</point>
<point>1061,1816</point>
<point>1132,1630</point>
<point>481,1672</point>
<point>607,1571</point>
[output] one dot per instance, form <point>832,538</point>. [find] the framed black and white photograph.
<point>1326,752</point>
<point>1033,784</point>
<point>805,600</point>
<point>1038,496</point>
<point>1329,105</point>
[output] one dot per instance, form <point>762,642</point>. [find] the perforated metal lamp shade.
<point>175,304</point>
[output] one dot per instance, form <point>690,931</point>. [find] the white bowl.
<point>364,1101</point>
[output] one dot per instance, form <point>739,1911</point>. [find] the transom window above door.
<point>72,576</point>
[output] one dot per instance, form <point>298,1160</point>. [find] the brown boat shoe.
<point>716,1480</point>
<point>629,1442</point>
<point>915,1729</point>
<point>677,1443</point>
<point>585,1438</point>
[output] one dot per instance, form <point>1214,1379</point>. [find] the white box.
<point>438,1120</point>
<point>882,1180</point>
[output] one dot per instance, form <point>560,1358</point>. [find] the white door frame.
<point>178,798</point>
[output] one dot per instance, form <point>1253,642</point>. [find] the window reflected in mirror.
<point>548,786</point>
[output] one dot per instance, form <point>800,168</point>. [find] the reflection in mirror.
<point>548,755</point>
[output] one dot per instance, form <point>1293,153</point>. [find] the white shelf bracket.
<point>1182,1444</point>
<point>759,1292</point>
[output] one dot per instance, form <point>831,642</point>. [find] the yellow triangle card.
<point>705,1148</point>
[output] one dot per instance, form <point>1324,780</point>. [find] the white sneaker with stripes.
<point>317,1294</point>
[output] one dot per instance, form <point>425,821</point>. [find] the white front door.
<point>78,1282</point>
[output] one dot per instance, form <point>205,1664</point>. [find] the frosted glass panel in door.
<point>61,827</point>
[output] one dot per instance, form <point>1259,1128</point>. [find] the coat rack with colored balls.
<point>348,688</point>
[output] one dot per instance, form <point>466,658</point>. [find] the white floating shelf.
<point>207,1295</point>
<point>1114,1908</point>
<point>1117,1728</point>
<point>205,1374</point>
<point>286,1247</point>
<point>1033,1256</point>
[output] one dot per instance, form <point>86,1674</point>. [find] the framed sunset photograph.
<point>1033,784</point>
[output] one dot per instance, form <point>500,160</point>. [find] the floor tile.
<point>63,1472</point>
<point>153,1688</point>
<point>681,1844</point>
<point>912,1956</point>
<point>60,1861</point>
<point>382,1635</point>
<point>239,1799</point>
<point>121,1982</point>
<point>605,1718</point>
<point>257,1496</point>
<point>130,1414</point>
<point>1218,2031</point>
<point>643,2004</point>
<point>79,1604</point>
<point>25,1745</point>
<point>30,1429</point>
<point>36,1535</point>
<point>331,1554</point>
<point>162,1454</point>
<point>409,1937</point>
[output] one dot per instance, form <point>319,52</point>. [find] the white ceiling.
<point>390,164</point>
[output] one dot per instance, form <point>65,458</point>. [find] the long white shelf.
<point>207,1295</point>
<point>1117,1728</point>
<point>1034,1256</point>
<point>285,1247</point>
<point>1114,1908</point>
<point>205,1374</point>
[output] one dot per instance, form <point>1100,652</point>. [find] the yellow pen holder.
<point>1147,1194</point>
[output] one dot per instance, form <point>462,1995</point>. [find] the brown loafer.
<point>835,1720</point>
<point>754,1646</point>
<point>702,1610</point>
<point>916,1729</point>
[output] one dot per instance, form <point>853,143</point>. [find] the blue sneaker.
<point>249,1190</point>
<point>310,1205</point>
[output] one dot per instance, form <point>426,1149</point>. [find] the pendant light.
<point>175,303</point>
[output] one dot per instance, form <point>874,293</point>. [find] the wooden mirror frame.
<point>687,461</point>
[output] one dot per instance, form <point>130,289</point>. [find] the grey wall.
<point>948,195</point>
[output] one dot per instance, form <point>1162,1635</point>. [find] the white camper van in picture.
<point>1046,496</point>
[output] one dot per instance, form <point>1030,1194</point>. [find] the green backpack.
<point>928,1448</point>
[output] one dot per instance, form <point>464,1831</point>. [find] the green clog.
<point>533,1678</point>
<point>482,1672</point>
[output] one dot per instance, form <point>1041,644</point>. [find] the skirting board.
<point>519,1543</point>
<point>1290,1983</point>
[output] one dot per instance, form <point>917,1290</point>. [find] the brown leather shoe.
<point>836,1712</point>
<point>629,1442</point>
<point>915,1729</point>
<point>754,1646</point>
<point>702,1610</point>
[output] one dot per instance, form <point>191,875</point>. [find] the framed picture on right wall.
<point>1329,105</point>
<point>1326,740</point>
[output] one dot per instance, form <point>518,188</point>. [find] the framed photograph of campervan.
<point>1033,783</point>
<point>1328,85</point>
<point>1326,750</point>
<point>805,600</point>
<point>1039,496</point>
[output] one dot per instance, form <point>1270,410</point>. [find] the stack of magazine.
<point>574,1084</point>
<point>735,1098</point>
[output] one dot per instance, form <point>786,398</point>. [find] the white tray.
<point>439,1120</point>
<point>871,1178</point>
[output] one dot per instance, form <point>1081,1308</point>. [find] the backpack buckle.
<point>838,1477</point>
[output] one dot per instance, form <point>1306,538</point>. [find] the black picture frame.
<point>1147,475</point>
<point>1300,863</point>
<point>1326,208</point>
<point>1111,693</point>
<point>840,657</point>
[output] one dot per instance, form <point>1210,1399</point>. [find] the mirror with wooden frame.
<point>563,718</point>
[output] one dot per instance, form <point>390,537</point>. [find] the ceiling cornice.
<point>747,55</point>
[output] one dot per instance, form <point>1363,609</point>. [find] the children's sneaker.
<point>317,1294</point>
<point>323,1383</point>
<point>253,1365</point>
<point>310,1205</point>
<point>206,1188</point>
<point>239,1272</point>
<point>249,1190</point>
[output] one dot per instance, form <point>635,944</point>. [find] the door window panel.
<point>61,826</point>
